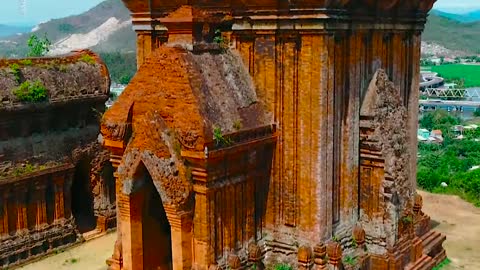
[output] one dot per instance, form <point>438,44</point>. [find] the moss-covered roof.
<point>191,94</point>
<point>80,74</point>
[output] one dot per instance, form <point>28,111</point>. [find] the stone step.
<point>91,234</point>
<point>432,241</point>
<point>424,263</point>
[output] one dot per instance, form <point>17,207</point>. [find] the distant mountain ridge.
<point>99,28</point>
<point>469,17</point>
<point>453,34</point>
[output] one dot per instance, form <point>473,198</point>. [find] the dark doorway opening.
<point>82,198</point>
<point>156,234</point>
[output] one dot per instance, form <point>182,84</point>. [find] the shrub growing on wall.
<point>31,92</point>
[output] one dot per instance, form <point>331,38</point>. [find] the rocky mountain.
<point>452,34</point>
<point>472,16</point>
<point>99,28</point>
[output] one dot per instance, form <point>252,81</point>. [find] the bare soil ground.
<point>460,222</point>
<point>457,219</point>
<point>88,256</point>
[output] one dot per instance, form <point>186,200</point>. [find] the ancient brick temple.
<point>56,181</point>
<point>257,133</point>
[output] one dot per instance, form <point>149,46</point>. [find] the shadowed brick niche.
<point>262,132</point>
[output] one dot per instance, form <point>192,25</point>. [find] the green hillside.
<point>453,34</point>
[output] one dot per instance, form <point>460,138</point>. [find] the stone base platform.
<point>28,245</point>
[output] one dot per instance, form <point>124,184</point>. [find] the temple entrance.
<point>156,234</point>
<point>82,198</point>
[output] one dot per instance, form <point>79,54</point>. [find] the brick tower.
<point>263,132</point>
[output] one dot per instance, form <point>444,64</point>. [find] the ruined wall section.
<point>386,191</point>
<point>42,146</point>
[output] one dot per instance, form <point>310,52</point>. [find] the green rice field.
<point>470,73</point>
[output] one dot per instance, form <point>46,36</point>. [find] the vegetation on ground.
<point>444,263</point>
<point>282,266</point>
<point>451,162</point>
<point>459,73</point>
<point>31,92</point>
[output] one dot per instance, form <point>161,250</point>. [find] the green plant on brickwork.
<point>354,243</point>
<point>219,139</point>
<point>26,62</point>
<point>218,37</point>
<point>335,239</point>
<point>87,59</point>
<point>16,72</point>
<point>28,168</point>
<point>282,266</point>
<point>407,219</point>
<point>97,113</point>
<point>444,263</point>
<point>253,267</point>
<point>31,92</point>
<point>63,68</point>
<point>237,125</point>
<point>350,260</point>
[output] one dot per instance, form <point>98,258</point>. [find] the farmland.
<point>470,73</point>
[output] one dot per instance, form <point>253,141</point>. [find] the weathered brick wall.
<point>35,216</point>
<point>49,148</point>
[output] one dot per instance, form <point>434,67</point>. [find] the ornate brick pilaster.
<point>305,258</point>
<point>334,252</point>
<point>67,194</point>
<point>3,213</point>
<point>21,197</point>
<point>59,189</point>
<point>320,256</point>
<point>116,261</point>
<point>181,235</point>
<point>39,198</point>
<point>203,251</point>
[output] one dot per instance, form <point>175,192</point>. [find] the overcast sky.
<point>37,11</point>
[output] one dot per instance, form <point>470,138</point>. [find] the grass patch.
<point>455,72</point>
<point>26,62</point>
<point>15,70</point>
<point>71,261</point>
<point>87,59</point>
<point>282,266</point>
<point>444,263</point>
<point>31,92</point>
<point>219,139</point>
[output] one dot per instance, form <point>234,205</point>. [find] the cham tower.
<point>268,132</point>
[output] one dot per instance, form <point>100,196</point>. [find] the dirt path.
<point>88,256</point>
<point>460,222</point>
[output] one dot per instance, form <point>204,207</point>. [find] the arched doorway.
<point>82,198</point>
<point>156,234</point>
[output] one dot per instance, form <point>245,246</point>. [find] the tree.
<point>38,46</point>
<point>476,113</point>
